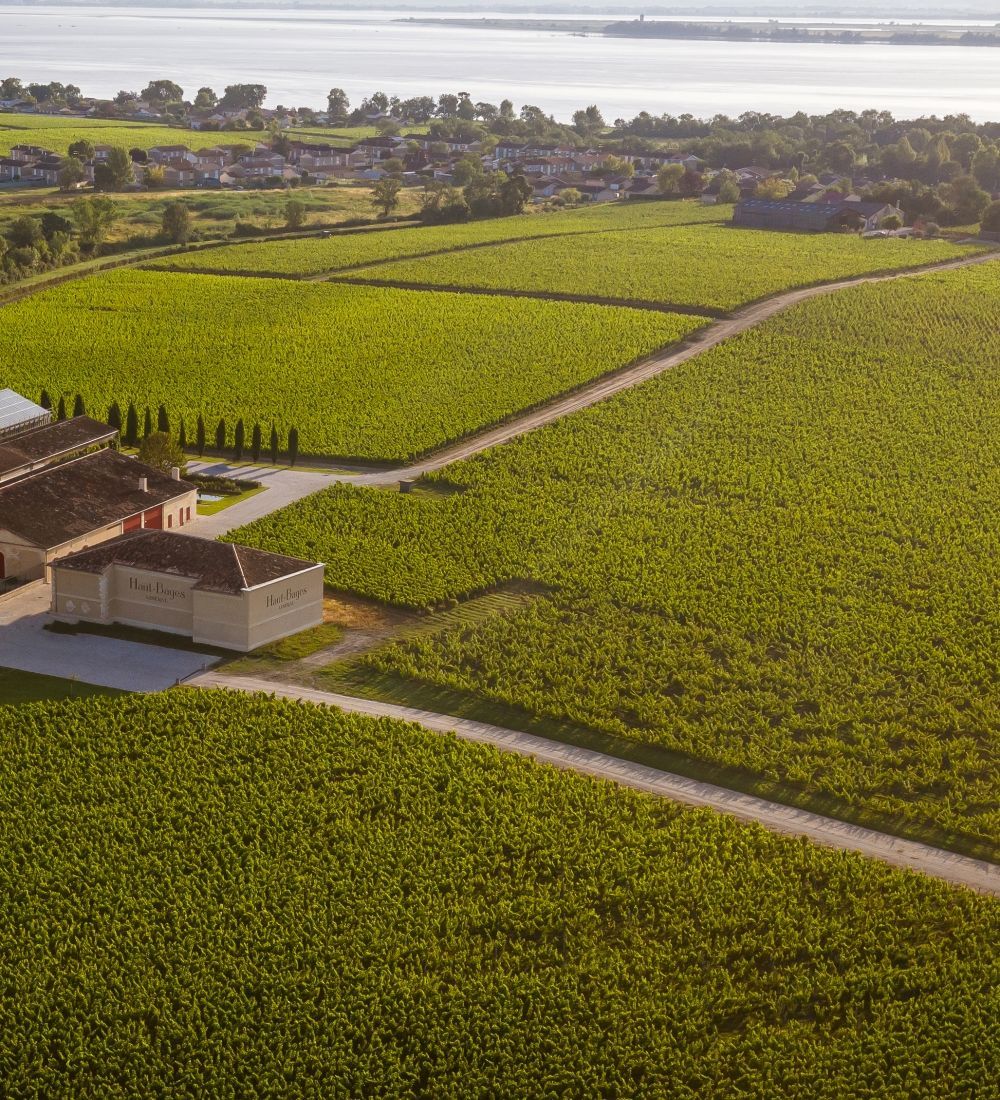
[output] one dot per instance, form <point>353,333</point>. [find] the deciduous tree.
<point>177,222</point>
<point>669,177</point>
<point>81,148</point>
<point>338,106</point>
<point>71,173</point>
<point>115,172</point>
<point>385,195</point>
<point>162,453</point>
<point>991,218</point>
<point>295,213</point>
<point>25,232</point>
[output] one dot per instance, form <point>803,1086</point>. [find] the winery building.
<point>214,593</point>
<point>82,501</point>
<point>105,529</point>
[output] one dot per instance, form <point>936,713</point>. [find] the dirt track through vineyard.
<point>948,866</point>
<point>696,344</point>
<point>975,874</point>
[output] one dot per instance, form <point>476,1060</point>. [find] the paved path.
<point>284,486</point>
<point>956,869</point>
<point>90,658</point>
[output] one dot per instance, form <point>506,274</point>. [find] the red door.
<point>153,518</point>
<point>133,523</point>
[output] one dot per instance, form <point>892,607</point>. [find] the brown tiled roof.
<point>216,566</point>
<point>85,494</point>
<point>59,438</point>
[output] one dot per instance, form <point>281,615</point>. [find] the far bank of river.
<point>841,32</point>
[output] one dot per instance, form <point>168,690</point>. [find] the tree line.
<point>133,432</point>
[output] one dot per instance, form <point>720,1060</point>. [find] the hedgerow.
<point>203,894</point>
<point>780,556</point>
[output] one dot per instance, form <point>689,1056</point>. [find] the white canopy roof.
<point>15,409</point>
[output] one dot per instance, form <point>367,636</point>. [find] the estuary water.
<point>299,55</point>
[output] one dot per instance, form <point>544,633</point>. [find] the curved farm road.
<point>959,870</point>
<point>950,867</point>
<point>715,333</point>
<point>292,485</point>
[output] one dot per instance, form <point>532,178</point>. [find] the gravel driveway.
<point>89,658</point>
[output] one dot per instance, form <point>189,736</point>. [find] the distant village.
<point>552,171</point>
<point>450,141</point>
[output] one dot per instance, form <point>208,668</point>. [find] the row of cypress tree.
<point>131,435</point>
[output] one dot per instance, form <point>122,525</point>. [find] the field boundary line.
<point>327,273</point>
<point>673,355</point>
<point>959,870</point>
<point>708,312</point>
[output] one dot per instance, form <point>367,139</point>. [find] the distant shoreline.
<point>733,30</point>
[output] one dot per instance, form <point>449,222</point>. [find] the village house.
<point>46,169</point>
<point>178,172</point>
<point>599,191</point>
<point>10,169</point>
<point>427,143</point>
<point>28,154</point>
<point>170,154</point>
<point>372,151</point>
<point>546,166</point>
<point>313,156</point>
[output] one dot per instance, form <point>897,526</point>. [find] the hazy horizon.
<point>878,9</point>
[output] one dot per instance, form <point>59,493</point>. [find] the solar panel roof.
<point>15,409</point>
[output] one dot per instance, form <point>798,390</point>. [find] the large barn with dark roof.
<point>83,501</point>
<point>812,217</point>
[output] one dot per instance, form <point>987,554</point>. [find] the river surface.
<point>299,55</point>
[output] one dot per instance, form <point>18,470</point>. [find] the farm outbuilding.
<point>812,217</point>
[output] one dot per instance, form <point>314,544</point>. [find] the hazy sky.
<point>896,9</point>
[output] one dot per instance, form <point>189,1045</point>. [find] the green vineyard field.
<point>779,557</point>
<point>703,265</point>
<point>204,894</point>
<point>376,373</point>
<point>314,256</point>
<point>58,134</point>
